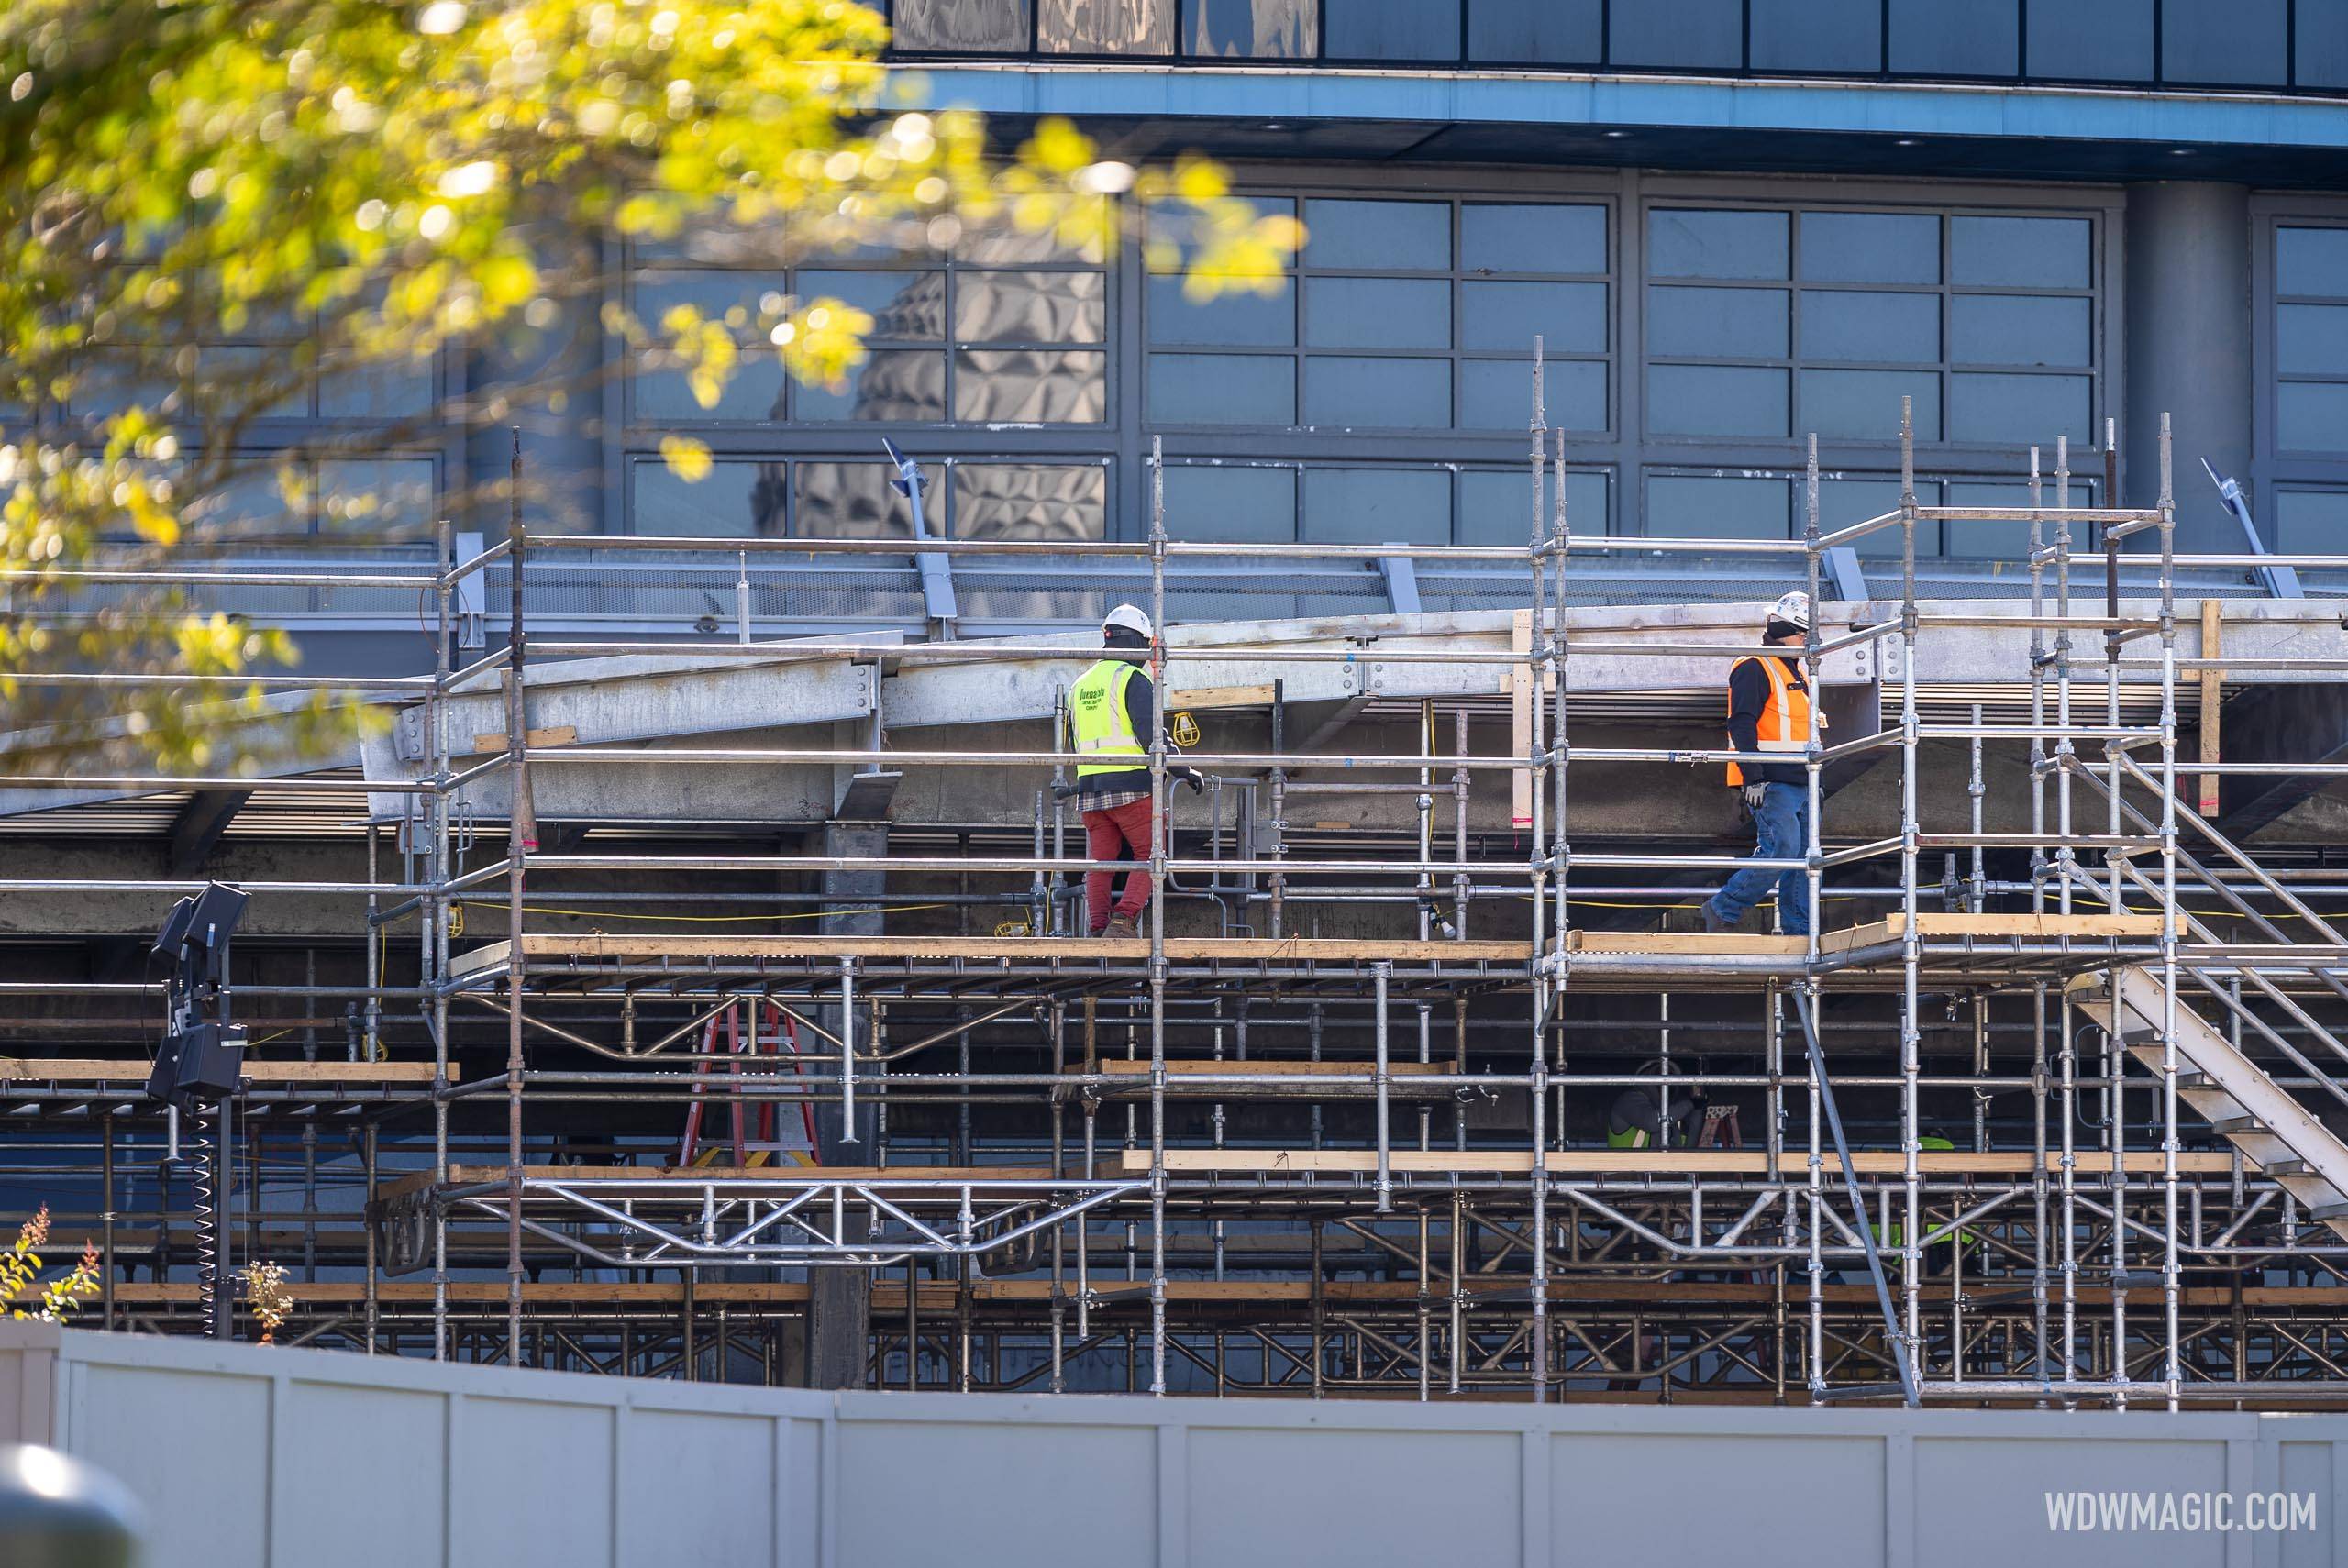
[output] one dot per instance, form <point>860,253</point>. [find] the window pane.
<point>1843,502</point>
<point>959,24</point>
<point>1231,504</point>
<point>2311,416</point>
<point>2312,338</point>
<point>1740,323</point>
<point>2311,261</point>
<point>1030,386</point>
<point>1817,35</point>
<point>2091,41</point>
<point>1700,506</point>
<point>734,498</point>
<point>2016,410</point>
<point>1392,30</point>
<point>1245,318</point>
<point>716,293</point>
<point>1221,389</point>
<point>378,392</point>
<point>253,501</point>
<point>2013,329</point>
<point>2310,522</point>
<point>1570,317</point>
<point>1496,507</point>
<point>1846,324</point>
<point>1386,237</point>
<point>904,305</point>
<point>1378,312</point>
<point>1535,32</point>
<point>1716,399</point>
<point>1105,26</point>
<point>381,495</point>
<point>1870,248</point>
<point>1497,394</point>
<point>849,501</point>
<point>1864,404</point>
<point>1000,241</point>
<point>1023,501</point>
<point>1258,29</point>
<point>2028,252</point>
<point>893,384</point>
<point>1378,393</point>
<point>1931,38</point>
<point>1171,232</point>
<point>2244,41</point>
<point>753,395</point>
<point>1494,239</point>
<point>1376,506</point>
<point>2321,43</point>
<point>1031,307</point>
<point>1687,244</point>
<point>1678,32</point>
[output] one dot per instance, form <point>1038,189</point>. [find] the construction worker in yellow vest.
<point>1109,709</point>
<point>1769,710</point>
<point>1634,1121</point>
<point>1940,1256</point>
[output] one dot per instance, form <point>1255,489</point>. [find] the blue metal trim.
<point>1453,98</point>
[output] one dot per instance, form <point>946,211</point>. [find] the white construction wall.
<point>317,1459</point>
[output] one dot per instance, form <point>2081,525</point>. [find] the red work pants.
<point>1114,835</point>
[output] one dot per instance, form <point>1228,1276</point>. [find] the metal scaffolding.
<point>1310,1190</point>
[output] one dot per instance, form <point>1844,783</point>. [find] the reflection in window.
<point>1817,35</point>
<point>959,24</point>
<point>1253,29</point>
<point>1730,324</point>
<point>1105,26</point>
<point>893,384</point>
<point>850,501</point>
<point>1496,237</point>
<point>1030,386</point>
<point>1234,318</point>
<point>1864,404</point>
<point>1870,248</point>
<point>1677,32</point>
<point>2017,410</point>
<point>2244,42</point>
<point>1021,500</point>
<point>1030,307</point>
<point>1881,328</point>
<point>1378,312</point>
<point>1497,394</point>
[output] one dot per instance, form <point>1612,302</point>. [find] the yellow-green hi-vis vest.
<point>1098,726</point>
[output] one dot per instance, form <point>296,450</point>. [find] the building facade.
<point>1730,223</point>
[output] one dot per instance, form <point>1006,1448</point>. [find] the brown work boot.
<point>1121,928</point>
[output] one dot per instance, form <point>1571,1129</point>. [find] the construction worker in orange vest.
<point>1769,710</point>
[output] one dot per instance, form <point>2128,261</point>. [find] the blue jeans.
<point>1783,822</point>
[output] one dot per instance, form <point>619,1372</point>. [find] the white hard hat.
<point>1132,619</point>
<point>1793,610</point>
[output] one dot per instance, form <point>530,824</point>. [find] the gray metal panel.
<point>1013,1493</point>
<point>284,1458</point>
<point>527,1511</point>
<point>1329,1492</point>
<point>1624,1498</point>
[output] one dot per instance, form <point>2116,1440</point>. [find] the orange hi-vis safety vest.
<point>1785,718</point>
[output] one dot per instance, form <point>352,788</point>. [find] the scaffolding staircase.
<point>2257,1115</point>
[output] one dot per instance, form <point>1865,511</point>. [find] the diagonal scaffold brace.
<point>1858,1205</point>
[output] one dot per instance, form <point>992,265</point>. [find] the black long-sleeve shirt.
<point>1141,710</point>
<point>1748,693</point>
